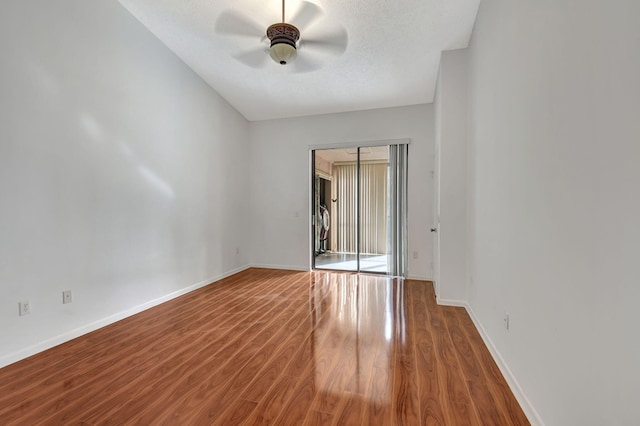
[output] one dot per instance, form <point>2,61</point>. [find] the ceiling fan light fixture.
<point>283,38</point>
<point>283,53</point>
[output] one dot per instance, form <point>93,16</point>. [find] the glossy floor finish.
<point>272,347</point>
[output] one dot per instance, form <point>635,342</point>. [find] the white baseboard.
<point>531,413</point>
<point>452,302</point>
<point>418,278</point>
<point>283,267</point>
<point>70,335</point>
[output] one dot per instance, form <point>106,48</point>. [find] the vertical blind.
<point>373,206</point>
<point>397,257</point>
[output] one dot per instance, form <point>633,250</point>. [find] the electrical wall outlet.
<point>506,321</point>
<point>66,296</point>
<point>24,308</point>
<point>415,254</point>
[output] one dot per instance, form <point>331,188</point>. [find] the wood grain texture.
<point>272,347</point>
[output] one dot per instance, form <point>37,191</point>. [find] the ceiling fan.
<point>283,40</point>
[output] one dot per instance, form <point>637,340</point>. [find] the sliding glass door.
<point>354,209</point>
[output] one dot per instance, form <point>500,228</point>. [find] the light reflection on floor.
<point>359,327</point>
<point>348,262</point>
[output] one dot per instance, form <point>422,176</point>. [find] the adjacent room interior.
<point>162,259</point>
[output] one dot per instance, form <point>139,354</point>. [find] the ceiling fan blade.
<point>234,23</point>
<point>255,58</point>
<point>334,43</point>
<point>304,64</point>
<point>306,15</point>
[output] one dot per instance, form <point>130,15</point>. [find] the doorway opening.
<point>354,214</point>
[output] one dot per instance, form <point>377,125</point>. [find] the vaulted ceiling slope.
<point>391,59</point>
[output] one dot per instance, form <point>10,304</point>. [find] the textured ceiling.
<point>391,59</point>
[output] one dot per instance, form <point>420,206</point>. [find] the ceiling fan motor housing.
<point>283,38</point>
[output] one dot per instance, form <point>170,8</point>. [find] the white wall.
<point>555,231</point>
<point>122,175</point>
<point>451,144</point>
<point>281,179</point>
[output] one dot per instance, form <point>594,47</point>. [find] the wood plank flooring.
<point>272,347</point>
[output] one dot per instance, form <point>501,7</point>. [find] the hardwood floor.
<point>272,347</point>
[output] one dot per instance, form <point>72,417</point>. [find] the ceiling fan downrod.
<point>284,38</point>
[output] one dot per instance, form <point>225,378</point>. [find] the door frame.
<point>311,183</point>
